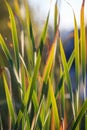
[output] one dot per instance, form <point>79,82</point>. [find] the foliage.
<point>33,98</point>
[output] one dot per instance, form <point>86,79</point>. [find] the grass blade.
<point>35,101</point>
<point>19,118</point>
<point>83,42</point>
<point>55,17</point>
<point>31,47</point>
<point>6,51</point>
<point>14,36</point>
<point>50,59</point>
<point>76,44</point>
<point>70,61</point>
<point>67,76</point>
<point>32,84</point>
<point>62,95</point>
<point>44,32</point>
<point>80,115</point>
<point>29,26</point>
<point>38,113</point>
<point>59,86</point>
<point>66,69</point>
<point>9,100</point>
<point>54,105</point>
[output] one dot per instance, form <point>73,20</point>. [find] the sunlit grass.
<point>36,102</point>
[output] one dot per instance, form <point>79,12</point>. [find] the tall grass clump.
<point>32,97</point>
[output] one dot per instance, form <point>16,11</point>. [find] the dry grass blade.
<point>50,59</point>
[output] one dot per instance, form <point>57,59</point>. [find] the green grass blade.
<point>9,100</point>
<point>14,36</point>
<point>83,42</point>
<point>65,65</point>
<point>67,76</point>
<point>44,32</point>
<point>70,61</point>
<point>54,105</point>
<point>29,26</point>
<point>80,115</point>
<point>46,119</point>
<point>55,17</point>
<point>59,86</point>
<point>32,84</point>
<point>19,118</point>
<point>77,65</point>
<point>62,95</point>
<point>27,121</point>
<point>6,51</point>
<point>38,113</point>
<point>31,50</point>
<point>76,44</point>
<point>43,112</point>
<point>43,36</point>
<point>35,101</point>
<point>23,122</point>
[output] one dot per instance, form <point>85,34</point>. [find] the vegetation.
<point>30,97</point>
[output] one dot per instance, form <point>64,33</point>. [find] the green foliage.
<point>36,102</point>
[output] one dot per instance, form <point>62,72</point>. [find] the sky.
<point>41,8</point>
